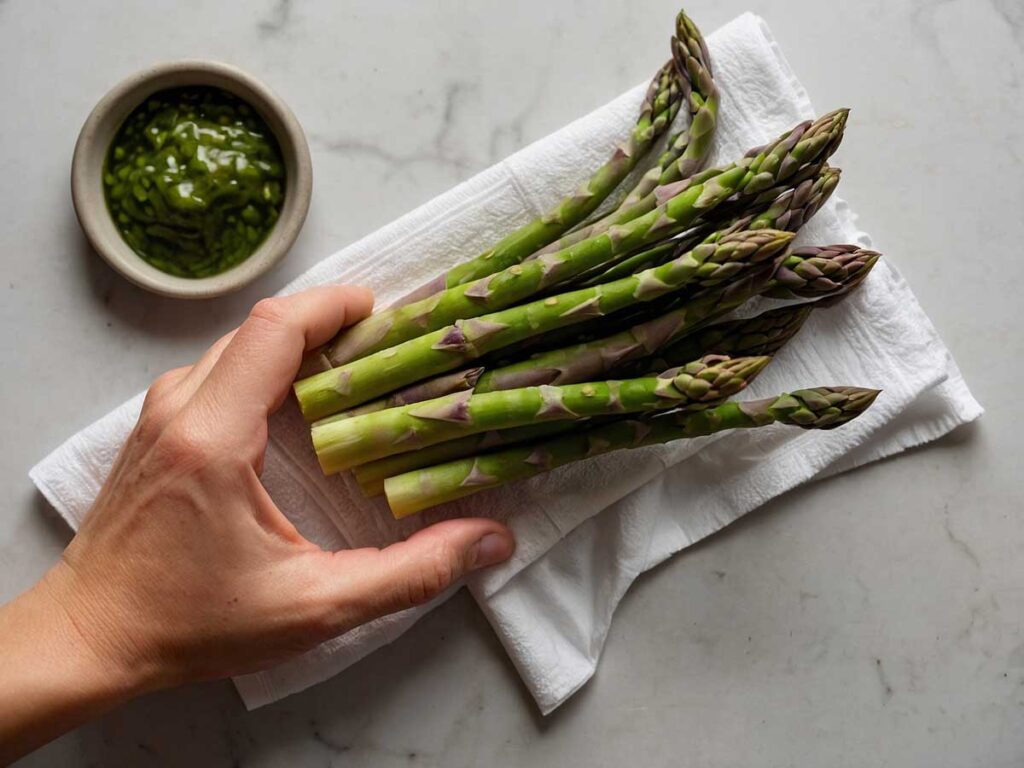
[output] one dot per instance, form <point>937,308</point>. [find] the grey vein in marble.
<point>443,145</point>
<point>277,19</point>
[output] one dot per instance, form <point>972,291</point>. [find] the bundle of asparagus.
<point>471,381</point>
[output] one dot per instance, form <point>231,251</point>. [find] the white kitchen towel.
<point>552,604</point>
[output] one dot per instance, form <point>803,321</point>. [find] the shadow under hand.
<point>51,525</point>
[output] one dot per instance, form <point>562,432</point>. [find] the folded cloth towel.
<point>584,532</point>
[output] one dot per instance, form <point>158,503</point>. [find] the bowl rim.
<point>106,118</point>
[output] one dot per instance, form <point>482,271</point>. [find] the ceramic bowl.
<point>103,123</point>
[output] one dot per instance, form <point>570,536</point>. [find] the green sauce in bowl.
<point>194,181</point>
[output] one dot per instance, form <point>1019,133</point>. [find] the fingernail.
<point>492,549</point>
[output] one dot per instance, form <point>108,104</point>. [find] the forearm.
<point>52,680</point>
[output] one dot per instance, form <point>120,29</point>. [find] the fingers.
<point>254,372</point>
<point>369,583</point>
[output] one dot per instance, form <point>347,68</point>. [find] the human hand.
<point>185,569</point>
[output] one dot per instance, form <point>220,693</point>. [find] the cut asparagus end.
<point>413,492</point>
<point>319,394</point>
<point>371,487</point>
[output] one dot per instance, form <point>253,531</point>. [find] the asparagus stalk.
<point>690,84</point>
<point>522,281</point>
<point>789,207</point>
<point>658,110</point>
<point>446,349</point>
<point>656,113</point>
<point>798,153</point>
<point>349,442</point>
<point>645,258</point>
<point>446,384</point>
<point>763,334</point>
<point>371,476</point>
<point>688,149</point>
<point>677,207</point>
<point>812,272</point>
<point>787,212</point>
<point>818,408</point>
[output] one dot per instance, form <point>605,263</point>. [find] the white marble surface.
<point>875,619</point>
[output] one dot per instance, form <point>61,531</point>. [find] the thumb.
<point>373,583</point>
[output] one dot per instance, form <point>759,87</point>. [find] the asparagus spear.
<point>818,408</point>
<point>445,349</point>
<point>349,442</point>
<point>678,206</point>
<point>787,212</point>
<point>656,114</point>
<point>693,62</point>
<point>692,85</point>
<point>688,149</point>
<point>446,384</point>
<point>658,110</point>
<point>371,476</point>
<point>794,207</point>
<point>812,272</point>
<point>800,153</point>
<point>645,258</point>
<point>764,334</point>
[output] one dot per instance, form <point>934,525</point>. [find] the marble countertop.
<point>875,619</point>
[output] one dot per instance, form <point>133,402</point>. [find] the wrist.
<point>52,678</point>
<point>91,642</point>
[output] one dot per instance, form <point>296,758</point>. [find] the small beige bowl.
<point>99,130</point>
